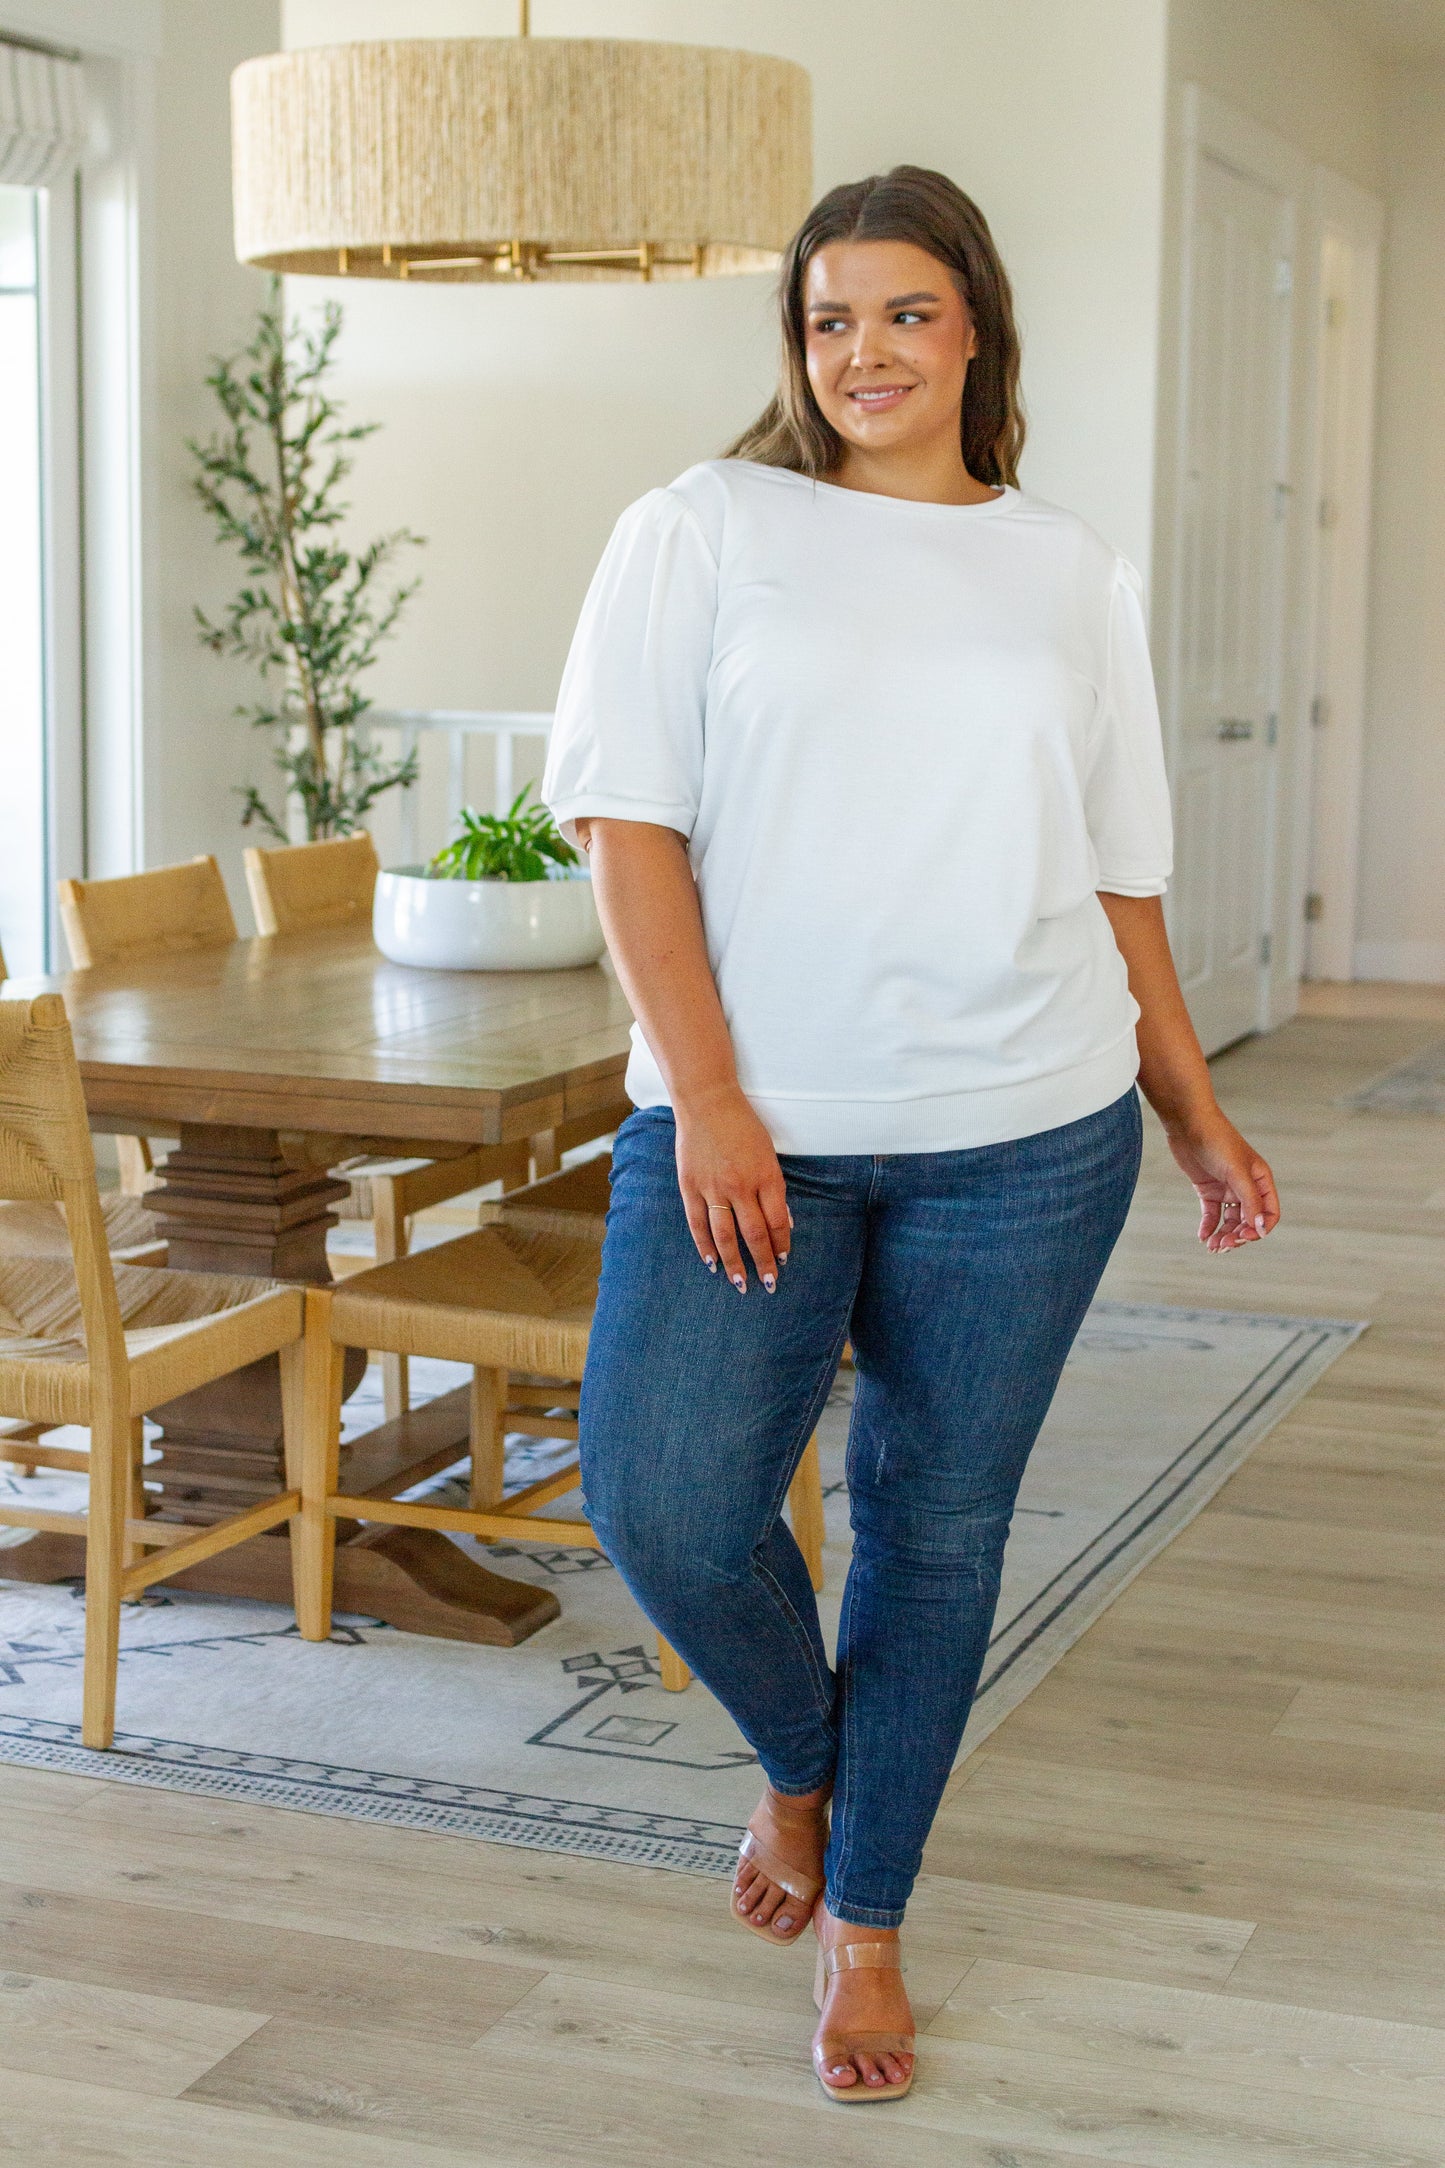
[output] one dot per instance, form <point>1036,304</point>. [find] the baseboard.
<point>1420,963</point>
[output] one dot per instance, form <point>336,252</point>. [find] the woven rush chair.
<point>38,1230</point>
<point>573,1202</point>
<point>169,909</point>
<point>506,1299</point>
<point>303,887</point>
<point>299,888</point>
<point>514,1300</point>
<point>83,1340</point>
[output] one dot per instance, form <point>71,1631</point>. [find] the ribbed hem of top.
<point>946,1122</point>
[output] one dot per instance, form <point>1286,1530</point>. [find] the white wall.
<point>1300,71</point>
<point>202,302</point>
<point>161,290</point>
<point>518,423</point>
<point>1295,69</point>
<point>1401,922</point>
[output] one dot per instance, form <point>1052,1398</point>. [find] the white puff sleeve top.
<point>907,744</point>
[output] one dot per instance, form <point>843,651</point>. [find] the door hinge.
<point>1271,730</point>
<point>1283,277</point>
<point>1314,907</point>
<point>1320,710</point>
<point>1266,947</point>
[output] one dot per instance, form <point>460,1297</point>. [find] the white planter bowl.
<point>485,925</point>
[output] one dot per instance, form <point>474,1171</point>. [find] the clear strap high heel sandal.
<point>757,1852</point>
<point>832,2048</point>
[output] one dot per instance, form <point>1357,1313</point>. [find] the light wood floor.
<point>1181,1911</point>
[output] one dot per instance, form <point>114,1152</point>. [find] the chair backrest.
<point>299,887</point>
<point>146,914</point>
<point>46,1152</point>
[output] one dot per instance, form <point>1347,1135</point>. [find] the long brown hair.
<point>909,204</point>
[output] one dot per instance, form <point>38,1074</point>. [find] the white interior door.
<point>1233,514</point>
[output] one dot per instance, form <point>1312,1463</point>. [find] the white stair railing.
<point>504,726</point>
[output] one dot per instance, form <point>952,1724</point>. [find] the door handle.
<point>1234,726</point>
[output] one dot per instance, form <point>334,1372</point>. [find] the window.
<point>41,821</point>
<point>24,810</point>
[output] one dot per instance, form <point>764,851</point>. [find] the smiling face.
<point>888,340</point>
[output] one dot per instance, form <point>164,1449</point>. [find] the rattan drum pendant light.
<point>519,158</point>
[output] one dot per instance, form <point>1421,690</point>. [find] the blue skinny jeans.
<point>961,1279</point>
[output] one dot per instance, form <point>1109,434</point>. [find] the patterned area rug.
<point>1416,1086</point>
<point>570,1743</point>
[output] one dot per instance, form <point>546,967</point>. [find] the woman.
<point>863,745</point>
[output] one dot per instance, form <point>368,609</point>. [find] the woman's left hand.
<point>1238,1202</point>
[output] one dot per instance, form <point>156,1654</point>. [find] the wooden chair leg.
<point>546,1159</point>
<point>675,1675</point>
<point>391,1240</point>
<point>140,1504</point>
<point>805,1507</point>
<point>111,1438</point>
<point>311,1380</point>
<point>137,1168</point>
<point>395,1385</point>
<point>488,1439</point>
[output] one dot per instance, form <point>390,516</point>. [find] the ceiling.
<point>1399,30</point>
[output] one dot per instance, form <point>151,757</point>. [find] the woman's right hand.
<point>732,1186</point>
<point>731,1183</point>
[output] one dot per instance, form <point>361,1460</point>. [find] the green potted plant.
<point>508,893</point>
<point>311,614</point>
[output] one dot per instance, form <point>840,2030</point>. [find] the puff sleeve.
<point>1126,791</point>
<point>627,741</point>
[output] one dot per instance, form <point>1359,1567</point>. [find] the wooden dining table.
<point>272,1060</point>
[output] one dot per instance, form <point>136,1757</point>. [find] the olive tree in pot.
<point>508,894</point>
<point>311,613</point>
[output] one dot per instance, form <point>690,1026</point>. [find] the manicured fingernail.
<point>1259,1223</point>
<point>711,1263</point>
<point>783,1256</point>
<point>740,1283</point>
<point>769,1283</point>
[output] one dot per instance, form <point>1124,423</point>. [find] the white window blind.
<point>42,116</point>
